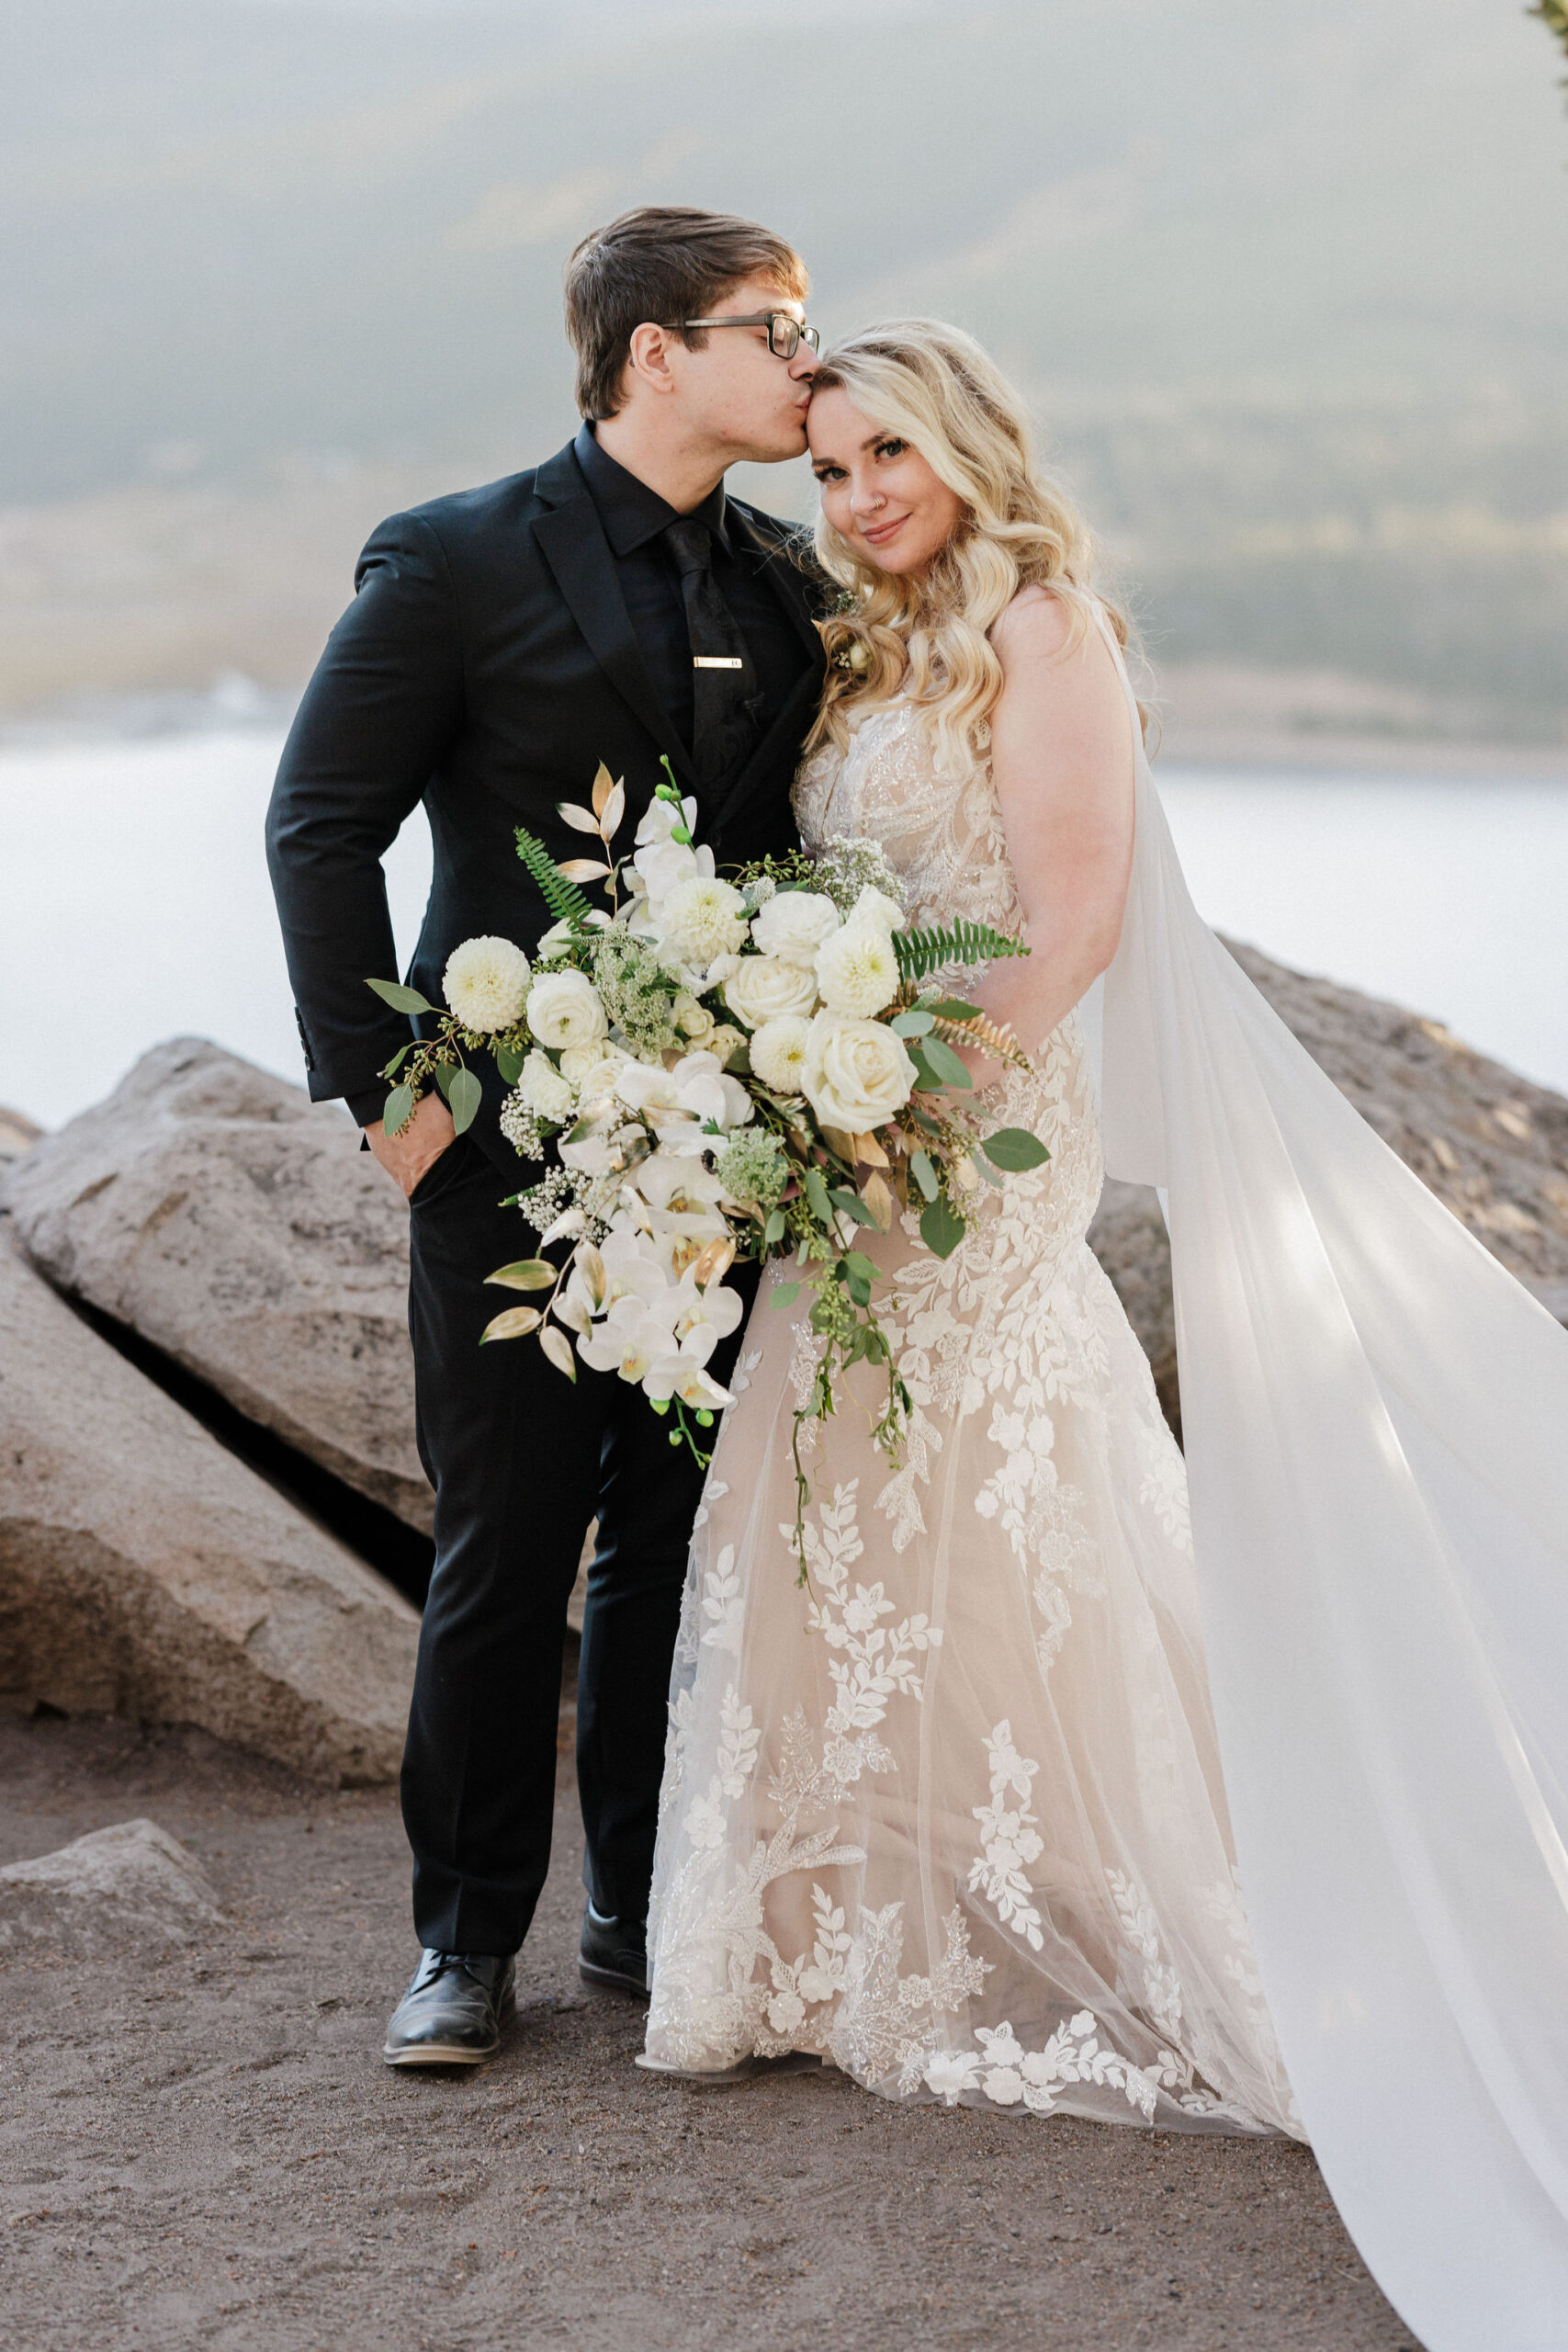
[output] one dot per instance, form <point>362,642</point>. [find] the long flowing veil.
<point>1376,1429</point>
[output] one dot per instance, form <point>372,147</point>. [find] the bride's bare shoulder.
<point>1038,625</point>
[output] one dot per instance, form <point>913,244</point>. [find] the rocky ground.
<point>200,2145</point>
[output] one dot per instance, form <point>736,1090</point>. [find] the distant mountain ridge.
<point>1287,288</point>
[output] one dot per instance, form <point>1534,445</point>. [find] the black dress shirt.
<point>634,517</point>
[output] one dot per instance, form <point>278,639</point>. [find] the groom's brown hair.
<point>659,266</point>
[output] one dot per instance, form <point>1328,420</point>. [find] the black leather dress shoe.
<point>613,1952</point>
<point>453,2011</point>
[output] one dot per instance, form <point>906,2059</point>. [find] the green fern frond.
<point>564,900</point>
<point>920,952</point>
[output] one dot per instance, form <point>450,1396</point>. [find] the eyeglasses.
<point>786,331</point>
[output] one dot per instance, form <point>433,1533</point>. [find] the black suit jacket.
<point>486,666</point>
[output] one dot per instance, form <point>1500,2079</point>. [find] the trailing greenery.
<point>564,900</point>
<point>920,952</point>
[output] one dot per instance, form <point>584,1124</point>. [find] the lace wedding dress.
<point>956,1821</point>
<point>954,1818</point>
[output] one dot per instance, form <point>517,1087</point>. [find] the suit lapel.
<point>572,540</point>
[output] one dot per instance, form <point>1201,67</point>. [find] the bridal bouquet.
<point>717,1069</point>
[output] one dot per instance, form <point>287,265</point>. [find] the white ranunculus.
<point>857,971</point>
<point>485,983</point>
<point>766,987</point>
<point>692,1020</point>
<point>794,924</point>
<point>597,1062</point>
<point>702,917</point>
<point>857,1072</point>
<point>875,909</point>
<point>725,1041</point>
<point>563,1009</point>
<point>778,1054</point>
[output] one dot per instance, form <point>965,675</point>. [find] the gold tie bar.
<point>717,662</point>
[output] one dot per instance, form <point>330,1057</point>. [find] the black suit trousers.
<point>521,1459</point>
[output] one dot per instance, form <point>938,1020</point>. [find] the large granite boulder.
<point>145,1572</point>
<point>126,1885</point>
<point>232,1223</point>
<point>1491,1146</point>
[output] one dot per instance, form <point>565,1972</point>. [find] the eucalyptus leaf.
<point>939,1230</point>
<point>774,1228</point>
<point>817,1194</point>
<point>785,1294</point>
<point>445,1073</point>
<point>856,1261</point>
<point>509,1062</point>
<point>983,1169</point>
<point>852,1205</point>
<point>952,1008</point>
<point>397,1110</point>
<point>465,1095</point>
<point>401,999</point>
<point>1015,1149</point>
<point>924,1174</point>
<point>397,1062</point>
<point>912,1024</point>
<point>940,1057</point>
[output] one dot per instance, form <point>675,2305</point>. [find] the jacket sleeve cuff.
<point>365,1107</point>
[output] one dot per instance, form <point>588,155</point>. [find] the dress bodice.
<point>942,832</point>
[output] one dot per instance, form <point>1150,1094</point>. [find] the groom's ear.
<point>648,361</point>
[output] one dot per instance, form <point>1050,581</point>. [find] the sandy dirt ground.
<point>204,2148</point>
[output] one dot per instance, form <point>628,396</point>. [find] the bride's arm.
<point>1062,761</point>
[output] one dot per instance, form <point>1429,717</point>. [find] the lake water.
<point>137,905</point>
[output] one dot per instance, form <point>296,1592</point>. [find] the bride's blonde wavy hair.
<point>933,386</point>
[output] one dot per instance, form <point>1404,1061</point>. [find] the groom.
<point>611,605</point>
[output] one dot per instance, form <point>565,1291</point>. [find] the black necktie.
<point>724,678</point>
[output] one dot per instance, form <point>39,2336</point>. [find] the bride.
<point>1043,1797</point>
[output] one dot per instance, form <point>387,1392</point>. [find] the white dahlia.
<point>857,971</point>
<point>778,1053</point>
<point>485,983</point>
<point>702,917</point>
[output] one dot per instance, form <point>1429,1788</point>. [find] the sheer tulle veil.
<point>1376,1430</point>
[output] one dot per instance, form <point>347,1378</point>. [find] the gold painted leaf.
<point>512,1323</point>
<point>878,1199</point>
<point>714,1263</point>
<point>524,1274</point>
<point>592,1267</point>
<point>583,869</point>
<point>582,820</point>
<point>614,810</point>
<point>604,784</point>
<point>558,1347</point>
<point>869,1152</point>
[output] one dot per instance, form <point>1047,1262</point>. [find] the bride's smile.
<point>895,509</point>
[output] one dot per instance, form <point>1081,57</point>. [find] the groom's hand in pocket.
<point>411,1153</point>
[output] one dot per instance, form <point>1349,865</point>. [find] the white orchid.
<point>630,1339</point>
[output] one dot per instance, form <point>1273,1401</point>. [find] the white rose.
<point>856,1073</point>
<point>857,971</point>
<point>485,983</point>
<point>766,987</point>
<point>875,909</point>
<point>702,917</point>
<point>794,924</point>
<point>564,1011</point>
<point>778,1054</point>
<point>543,1087</point>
